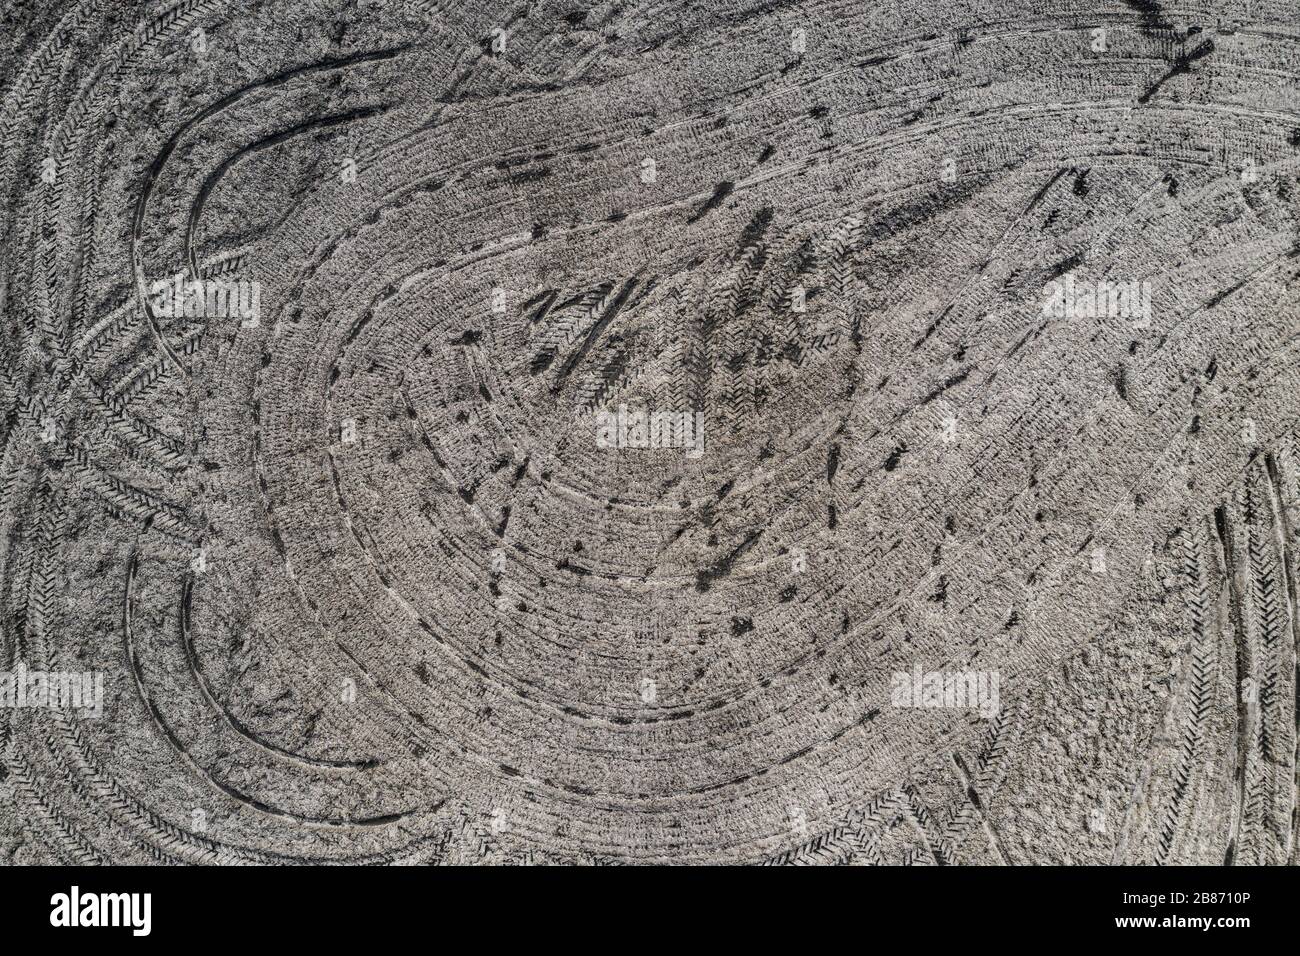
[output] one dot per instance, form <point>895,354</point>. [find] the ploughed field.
<point>729,432</point>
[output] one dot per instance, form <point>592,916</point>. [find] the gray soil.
<point>985,318</point>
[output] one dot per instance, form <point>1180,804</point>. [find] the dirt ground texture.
<point>668,432</point>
